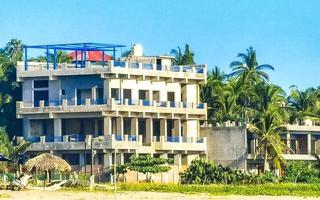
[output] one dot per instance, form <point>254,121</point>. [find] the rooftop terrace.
<point>145,66</point>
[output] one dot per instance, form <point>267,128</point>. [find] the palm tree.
<point>248,68</point>
<point>303,103</point>
<point>11,150</point>
<point>62,57</point>
<point>268,128</point>
<point>10,92</point>
<point>14,50</point>
<point>187,58</point>
<point>247,73</point>
<point>268,123</point>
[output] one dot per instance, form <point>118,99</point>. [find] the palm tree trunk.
<point>266,164</point>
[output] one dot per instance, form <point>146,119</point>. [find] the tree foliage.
<point>206,172</point>
<point>149,165</point>
<point>185,58</point>
<point>11,149</point>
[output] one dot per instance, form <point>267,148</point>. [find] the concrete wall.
<point>27,90</point>
<point>226,145</point>
<point>70,84</point>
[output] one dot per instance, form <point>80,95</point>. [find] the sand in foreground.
<point>60,195</point>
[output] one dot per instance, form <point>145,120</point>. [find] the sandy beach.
<point>62,195</point>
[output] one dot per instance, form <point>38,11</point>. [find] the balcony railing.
<point>41,66</point>
<point>115,137</point>
<point>129,102</point>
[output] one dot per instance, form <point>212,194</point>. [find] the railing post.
<point>42,139</point>
<point>41,103</point>
<point>154,103</point>
<point>64,102</point>
<point>65,138</point>
<point>162,139</point>
<point>140,139</point>
<point>168,104</point>
<point>88,102</point>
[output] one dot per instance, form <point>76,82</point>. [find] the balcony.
<point>114,141</point>
<point>144,107</point>
<point>176,143</point>
<point>142,71</point>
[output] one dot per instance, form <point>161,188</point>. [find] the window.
<point>115,93</point>
<point>170,96</point>
<point>143,94</point>
<point>63,92</point>
<point>72,159</point>
<point>40,83</point>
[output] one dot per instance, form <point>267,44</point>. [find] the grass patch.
<point>275,189</point>
<point>4,196</point>
<point>284,189</point>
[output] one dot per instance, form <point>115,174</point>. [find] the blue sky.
<point>285,33</point>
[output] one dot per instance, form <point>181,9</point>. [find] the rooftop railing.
<point>42,66</point>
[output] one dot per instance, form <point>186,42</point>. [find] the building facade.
<point>235,146</point>
<point>112,109</point>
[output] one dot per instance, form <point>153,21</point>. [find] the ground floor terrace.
<point>99,163</point>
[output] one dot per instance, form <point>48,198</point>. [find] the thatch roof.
<point>46,162</point>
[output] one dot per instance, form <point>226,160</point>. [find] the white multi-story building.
<point>128,106</point>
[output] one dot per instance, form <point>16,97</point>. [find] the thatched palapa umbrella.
<point>47,163</point>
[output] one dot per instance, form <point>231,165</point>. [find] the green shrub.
<point>301,172</point>
<point>206,172</point>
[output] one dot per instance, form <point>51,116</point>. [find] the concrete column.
<point>107,89</point>
<point>177,127</point>
<point>149,130</point>
<point>120,125</point>
<point>57,129</point>
<point>190,128</point>
<point>164,175</point>
<point>150,97</point>
<point>82,159</point>
<point>177,160</point>
<point>134,126</point>
<point>107,124</point>
<point>26,127</point>
<point>163,127</point>
<point>309,143</point>
<point>94,92</point>
<point>107,160</point>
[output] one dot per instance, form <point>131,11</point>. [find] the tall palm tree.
<point>14,50</point>
<point>248,68</point>
<point>247,73</point>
